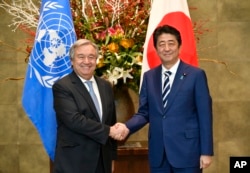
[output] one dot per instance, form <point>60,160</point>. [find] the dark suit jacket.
<point>81,137</point>
<point>183,130</point>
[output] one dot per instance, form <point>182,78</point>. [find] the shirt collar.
<point>173,69</point>
<point>84,80</point>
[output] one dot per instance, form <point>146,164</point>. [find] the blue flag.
<point>49,61</point>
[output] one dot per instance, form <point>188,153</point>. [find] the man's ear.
<point>180,47</point>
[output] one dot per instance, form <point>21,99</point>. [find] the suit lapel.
<point>156,86</point>
<point>179,79</point>
<point>84,92</point>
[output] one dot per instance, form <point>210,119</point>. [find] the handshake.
<point>119,131</point>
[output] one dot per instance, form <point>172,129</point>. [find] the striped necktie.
<point>166,88</point>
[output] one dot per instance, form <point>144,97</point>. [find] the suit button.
<point>164,117</point>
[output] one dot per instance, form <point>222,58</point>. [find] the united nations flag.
<point>48,62</point>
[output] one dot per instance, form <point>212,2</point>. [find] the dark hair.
<point>166,29</point>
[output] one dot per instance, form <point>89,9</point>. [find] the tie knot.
<point>167,73</point>
<point>89,83</point>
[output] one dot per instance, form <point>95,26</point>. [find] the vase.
<point>125,108</point>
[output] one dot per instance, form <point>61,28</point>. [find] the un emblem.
<point>50,55</point>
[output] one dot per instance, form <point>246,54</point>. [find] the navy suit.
<point>183,130</point>
<point>81,138</point>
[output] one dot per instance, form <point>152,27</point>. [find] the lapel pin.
<point>183,75</point>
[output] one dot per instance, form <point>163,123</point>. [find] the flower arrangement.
<point>119,28</point>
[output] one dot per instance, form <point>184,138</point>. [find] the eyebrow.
<point>163,41</point>
<point>81,54</point>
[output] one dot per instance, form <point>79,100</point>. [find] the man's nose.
<point>166,47</point>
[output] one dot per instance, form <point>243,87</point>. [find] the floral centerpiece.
<point>119,28</point>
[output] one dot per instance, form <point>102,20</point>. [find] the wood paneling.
<point>132,158</point>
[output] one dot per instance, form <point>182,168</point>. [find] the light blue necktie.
<point>94,98</point>
<point>166,88</point>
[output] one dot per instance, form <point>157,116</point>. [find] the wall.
<point>21,150</point>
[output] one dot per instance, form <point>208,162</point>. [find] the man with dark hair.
<point>175,101</point>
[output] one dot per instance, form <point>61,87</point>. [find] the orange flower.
<point>100,62</point>
<point>113,47</point>
<point>127,43</point>
<point>138,59</point>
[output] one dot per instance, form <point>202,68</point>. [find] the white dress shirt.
<point>173,70</point>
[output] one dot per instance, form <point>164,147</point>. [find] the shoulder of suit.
<point>69,78</point>
<point>191,67</point>
<point>102,80</point>
<point>155,69</point>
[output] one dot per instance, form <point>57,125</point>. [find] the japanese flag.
<point>174,13</point>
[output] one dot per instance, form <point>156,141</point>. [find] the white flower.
<point>126,74</point>
<point>118,73</point>
<point>114,75</point>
